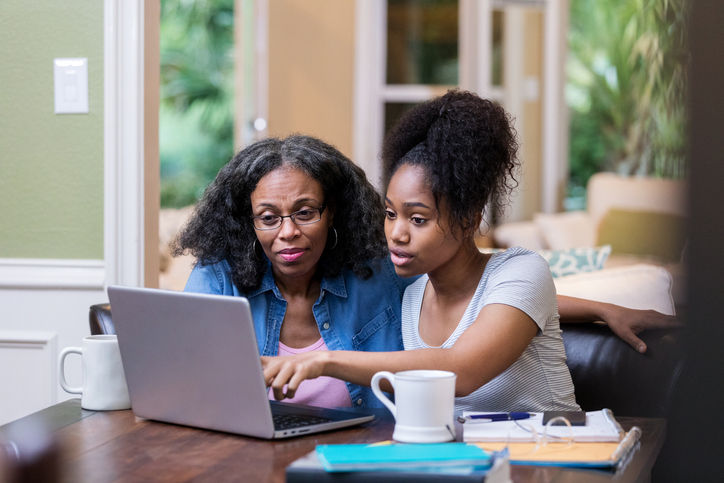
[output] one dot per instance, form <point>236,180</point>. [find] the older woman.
<point>295,227</point>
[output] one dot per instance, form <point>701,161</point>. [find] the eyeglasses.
<point>306,216</point>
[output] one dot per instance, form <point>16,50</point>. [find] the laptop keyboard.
<point>287,421</point>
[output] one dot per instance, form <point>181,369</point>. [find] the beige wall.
<point>311,69</point>
<point>531,144</point>
<point>152,165</point>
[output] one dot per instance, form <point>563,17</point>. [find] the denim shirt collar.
<point>334,285</point>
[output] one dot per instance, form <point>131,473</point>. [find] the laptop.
<point>192,359</point>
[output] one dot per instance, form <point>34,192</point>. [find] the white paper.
<point>600,427</point>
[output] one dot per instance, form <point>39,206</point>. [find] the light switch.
<point>71,85</point>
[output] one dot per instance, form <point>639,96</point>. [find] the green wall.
<point>51,165</point>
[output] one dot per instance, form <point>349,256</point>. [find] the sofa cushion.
<point>636,286</point>
<point>575,260</point>
<point>524,234</point>
<point>645,233</point>
<point>566,230</point>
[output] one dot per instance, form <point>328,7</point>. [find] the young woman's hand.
<point>290,371</point>
<point>627,323</point>
<point>624,322</point>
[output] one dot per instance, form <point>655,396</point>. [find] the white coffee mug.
<point>424,404</point>
<point>104,382</point>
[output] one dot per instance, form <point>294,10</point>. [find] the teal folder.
<point>368,457</point>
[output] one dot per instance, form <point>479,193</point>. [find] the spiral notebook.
<point>600,443</point>
<point>580,455</point>
<point>600,427</point>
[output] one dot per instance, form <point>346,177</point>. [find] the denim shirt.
<point>351,313</point>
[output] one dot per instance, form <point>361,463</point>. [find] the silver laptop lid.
<point>191,359</point>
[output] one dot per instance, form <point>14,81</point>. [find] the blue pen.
<point>514,416</point>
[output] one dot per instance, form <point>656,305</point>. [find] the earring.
<point>336,239</point>
<point>255,247</point>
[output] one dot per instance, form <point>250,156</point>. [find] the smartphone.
<point>576,418</point>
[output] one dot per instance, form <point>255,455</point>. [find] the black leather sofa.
<point>606,372</point>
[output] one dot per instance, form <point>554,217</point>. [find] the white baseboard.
<point>39,273</point>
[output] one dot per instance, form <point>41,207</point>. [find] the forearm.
<point>572,309</point>
<point>359,367</point>
<point>485,350</point>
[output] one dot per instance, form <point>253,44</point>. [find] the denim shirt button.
<point>325,326</point>
<point>359,402</point>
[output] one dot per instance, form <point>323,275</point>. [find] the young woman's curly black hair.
<point>467,147</point>
<point>221,227</point>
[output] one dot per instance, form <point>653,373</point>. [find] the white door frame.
<point>371,92</point>
<point>555,113</point>
<point>123,73</point>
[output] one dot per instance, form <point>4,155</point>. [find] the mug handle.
<point>61,369</point>
<point>375,384</point>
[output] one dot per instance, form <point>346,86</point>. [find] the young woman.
<point>492,320</point>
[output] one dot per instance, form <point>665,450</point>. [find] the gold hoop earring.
<point>336,239</point>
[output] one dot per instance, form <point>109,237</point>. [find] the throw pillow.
<point>570,261</point>
<point>639,286</point>
<point>575,260</point>
<point>644,233</point>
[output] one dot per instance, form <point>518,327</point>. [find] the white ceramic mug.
<point>424,404</point>
<point>104,382</point>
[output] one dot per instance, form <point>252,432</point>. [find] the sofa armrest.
<point>557,231</point>
<point>641,286</point>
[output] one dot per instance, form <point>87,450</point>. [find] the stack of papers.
<point>601,443</point>
<point>600,426</point>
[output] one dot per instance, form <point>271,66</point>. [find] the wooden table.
<point>117,446</point>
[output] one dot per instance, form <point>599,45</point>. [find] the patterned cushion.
<point>576,260</point>
<point>570,261</point>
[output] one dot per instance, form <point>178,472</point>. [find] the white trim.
<point>26,339</point>
<point>513,73</point>
<point>500,4</point>
<point>412,92</point>
<point>261,49</point>
<point>370,40</point>
<point>475,23</point>
<point>513,69</point>
<point>555,118</point>
<point>496,93</point>
<point>49,273</point>
<point>123,141</point>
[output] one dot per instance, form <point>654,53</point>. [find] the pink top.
<point>323,391</point>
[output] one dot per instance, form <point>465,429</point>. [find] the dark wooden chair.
<point>100,319</point>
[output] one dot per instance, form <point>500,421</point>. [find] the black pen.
<point>490,417</point>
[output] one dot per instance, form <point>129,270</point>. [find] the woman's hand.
<point>622,321</point>
<point>627,323</point>
<point>290,371</point>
